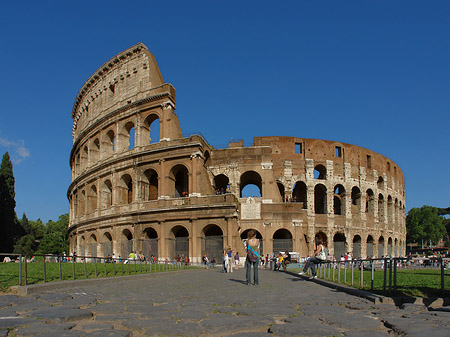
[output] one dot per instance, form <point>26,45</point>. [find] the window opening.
<point>368,162</point>
<point>298,148</point>
<point>338,151</point>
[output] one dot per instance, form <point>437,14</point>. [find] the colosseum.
<point>139,185</point>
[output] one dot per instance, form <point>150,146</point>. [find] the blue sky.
<point>370,73</point>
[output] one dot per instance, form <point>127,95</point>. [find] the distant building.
<point>133,189</point>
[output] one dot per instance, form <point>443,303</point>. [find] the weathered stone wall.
<point>167,195</point>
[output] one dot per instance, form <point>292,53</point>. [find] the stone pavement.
<point>210,303</point>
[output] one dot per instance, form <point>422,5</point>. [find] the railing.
<point>46,268</point>
<point>355,273</point>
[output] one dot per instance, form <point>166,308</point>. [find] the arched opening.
<point>281,190</point>
<point>95,151</point>
<point>82,251</point>
<point>356,200</point>
<point>150,243</point>
<point>320,172</point>
<point>152,124</point>
<point>396,211</point>
<point>251,185</point>
<point>320,199</point>
<point>339,244</point>
<point>107,194</point>
<point>322,236</point>
<point>150,185</point>
<point>126,189</point>
<point>396,253</point>
<point>389,247</point>
<point>369,246</point>
<point>92,201</point>
<point>82,203</point>
<point>221,183</point>
<point>212,242</point>
<point>179,242</point>
<point>207,157</point>
<point>380,183</point>
<point>380,207</point>
<point>338,200</point>
<point>107,244</point>
<point>126,243</point>
<point>84,158</point>
<point>299,193</point>
<point>93,246</point>
<point>370,202</point>
<point>390,210</point>
<point>282,241</point>
<point>129,128</point>
<point>356,247</point>
<point>110,142</point>
<point>380,246</point>
<point>179,175</point>
<point>258,236</point>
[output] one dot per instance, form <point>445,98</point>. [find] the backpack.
<point>252,255</point>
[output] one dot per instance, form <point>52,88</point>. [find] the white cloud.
<point>17,150</point>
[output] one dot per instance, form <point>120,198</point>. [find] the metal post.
<point>442,275</point>
<point>26,272</point>
<point>353,269</point>
<point>339,273</point>
<point>60,271</point>
<point>135,271</point>
<point>345,272</point>
<point>385,275</point>
<point>395,275</point>
<point>73,267</point>
<point>362,274</point>
<point>104,263</point>
<point>334,269</point>
<point>390,275</point>
<point>121,266</point>
<point>85,271</point>
<point>95,266</point>
<point>373,274</point>
<point>20,268</point>
<point>140,265</point>
<point>45,274</point>
<point>114,268</point>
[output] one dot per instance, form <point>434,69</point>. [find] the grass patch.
<point>410,282</point>
<point>9,272</point>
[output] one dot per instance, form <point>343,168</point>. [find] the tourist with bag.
<point>251,245</point>
<point>318,257</point>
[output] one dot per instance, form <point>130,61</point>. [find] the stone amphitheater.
<point>139,185</point>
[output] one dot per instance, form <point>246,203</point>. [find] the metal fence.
<point>338,271</point>
<point>45,268</point>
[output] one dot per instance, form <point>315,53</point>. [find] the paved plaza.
<point>210,303</point>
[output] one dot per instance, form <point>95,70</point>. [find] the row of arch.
<point>116,138</point>
<point>212,242</point>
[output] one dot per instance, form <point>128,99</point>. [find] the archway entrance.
<point>179,242</point>
<point>150,243</point>
<point>212,242</point>
<point>127,243</point>
<point>356,247</point>
<point>339,245</point>
<point>282,241</point>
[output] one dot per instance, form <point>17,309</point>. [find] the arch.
<point>251,178</point>
<point>322,237</point>
<point>380,207</point>
<point>339,244</point>
<point>107,244</point>
<point>150,185</point>
<point>282,241</point>
<point>92,199</point>
<point>370,202</point>
<point>381,246</point>
<point>389,247</point>
<point>180,180</point>
<point>380,183</point>
<point>320,199</point>
<point>207,157</point>
<point>395,211</point>
<point>126,189</point>
<point>320,172</point>
<point>126,243</point>
<point>82,247</point>
<point>356,200</point>
<point>396,251</point>
<point>369,246</point>
<point>150,242</point>
<point>356,247</point>
<point>82,202</point>
<point>107,194</point>
<point>299,193</point>
<point>221,183</point>
<point>84,158</point>
<point>179,241</point>
<point>339,200</point>
<point>130,134</point>
<point>390,209</point>
<point>93,245</point>
<point>212,242</point>
<point>152,125</point>
<point>281,190</point>
<point>94,151</point>
<point>110,141</point>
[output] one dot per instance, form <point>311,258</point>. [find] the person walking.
<point>236,261</point>
<point>251,245</point>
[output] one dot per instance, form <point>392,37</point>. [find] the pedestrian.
<point>236,260</point>
<point>229,260</point>
<point>251,245</point>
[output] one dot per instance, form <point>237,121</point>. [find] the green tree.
<point>424,225</point>
<point>10,229</point>
<point>29,243</point>
<point>55,239</point>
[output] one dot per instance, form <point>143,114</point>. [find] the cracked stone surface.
<point>210,303</point>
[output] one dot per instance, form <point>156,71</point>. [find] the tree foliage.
<point>55,239</point>
<point>10,229</point>
<point>424,224</point>
<point>29,243</point>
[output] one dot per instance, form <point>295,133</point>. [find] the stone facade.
<point>165,194</point>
